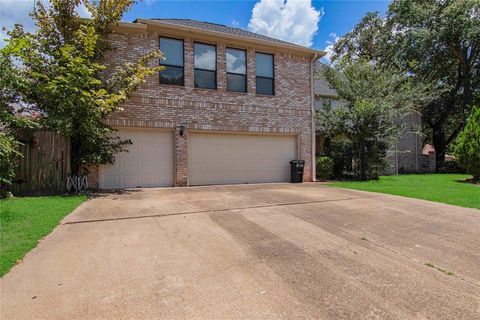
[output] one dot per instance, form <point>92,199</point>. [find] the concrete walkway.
<point>271,251</point>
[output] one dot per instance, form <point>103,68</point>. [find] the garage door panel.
<point>128,166</point>
<point>146,166</point>
<point>148,162</point>
<point>237,158</point>
<point>110,180</point>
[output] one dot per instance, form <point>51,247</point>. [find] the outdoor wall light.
<point>182,129</point>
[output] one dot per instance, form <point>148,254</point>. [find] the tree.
<point>375,99</point>
<point>12,119</point>
<point>434,40</point>
<point>62,64</point>
<point>467,146</point>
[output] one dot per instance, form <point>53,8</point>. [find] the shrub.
<point>451,166</point>
<point>324,168</point>
<point>467,147</point>
<point>341,154</point>
<point>8,151</point>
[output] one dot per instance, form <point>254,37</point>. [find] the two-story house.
<point>231,106</point>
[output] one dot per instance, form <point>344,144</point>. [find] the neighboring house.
<point>405,156</point>
<point>231,107</point>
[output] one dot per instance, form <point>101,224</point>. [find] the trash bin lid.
<point>297,162</point>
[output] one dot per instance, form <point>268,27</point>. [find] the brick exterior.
<point>165,106</point>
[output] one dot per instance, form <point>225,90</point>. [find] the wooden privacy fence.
<point>45,164</point>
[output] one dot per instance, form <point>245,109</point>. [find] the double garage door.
<point>213,158</point>
<point>235,158</point>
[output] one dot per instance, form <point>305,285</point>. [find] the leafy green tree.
<point>374,100</point>
<point>65,78</point>
<point>434,40</point>
<point>11,118</point>
<point>467,146</point>
<point>8,152</point>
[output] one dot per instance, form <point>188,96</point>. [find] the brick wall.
<point>164,106</point>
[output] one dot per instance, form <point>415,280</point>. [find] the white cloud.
<point>329,48</point>
<point>294,21</point>
<point>236,63</point>
<point>235,23</point>
<point>18,12</point>
<point>205,60</point>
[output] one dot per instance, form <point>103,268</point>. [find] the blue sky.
<point>338,16</point>
<point>310,23</point>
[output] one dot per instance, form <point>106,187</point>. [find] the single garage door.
<point>239,158</point>
<point>148,162</point>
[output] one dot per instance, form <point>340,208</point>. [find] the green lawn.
<point>23,221</point>
<point>434,187</point>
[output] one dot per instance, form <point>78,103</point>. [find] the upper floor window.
<point>173,63</point>
<point>264,73</point>
<point>205,66</point>
<point>236,70</point>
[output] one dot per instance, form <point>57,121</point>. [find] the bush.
<point>451,166</point>
<point>324,168</point>
<point>8,152</point>
<point>341,154</point>
<point>467,147</point>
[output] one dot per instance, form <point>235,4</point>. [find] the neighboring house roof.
<point>429,148</point>
<point>217,30</point>
<point>323,88</point>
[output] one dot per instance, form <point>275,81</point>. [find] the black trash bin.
<point>296,171</point>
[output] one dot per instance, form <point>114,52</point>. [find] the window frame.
<point>238,74</point>
<point>273,73</point>
<point>171,65</point>
<point>200,69</point>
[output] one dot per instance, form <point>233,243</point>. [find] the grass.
<point>431,265</point>
<point>24,221</point>
<point>445,188</point>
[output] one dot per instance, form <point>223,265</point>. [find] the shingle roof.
<point>322,87</point>
<point>221,28</point>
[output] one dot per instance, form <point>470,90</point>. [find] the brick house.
<point>231,107</point>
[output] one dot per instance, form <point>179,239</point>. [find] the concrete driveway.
<point>271,251</point>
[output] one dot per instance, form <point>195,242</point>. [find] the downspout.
<point>312,97</point>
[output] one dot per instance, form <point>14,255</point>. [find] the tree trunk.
<point>439,143</point>
<point>75,163</point>
<point>363,162</point>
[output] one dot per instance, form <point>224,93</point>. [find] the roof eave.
<point>144,24</point>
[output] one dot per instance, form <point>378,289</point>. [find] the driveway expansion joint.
<point>217,210</point>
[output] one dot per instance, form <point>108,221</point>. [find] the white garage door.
<point>149,162</point>
<point>236,158</point>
